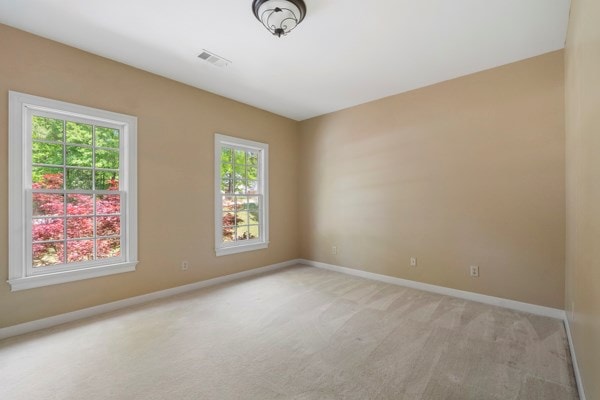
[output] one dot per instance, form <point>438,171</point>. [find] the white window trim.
<point>263,242</point>
<point>20,183</point>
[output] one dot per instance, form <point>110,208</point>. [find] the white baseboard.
<point>481,298</point>
<point>574,359</point>
<point>116,305</point>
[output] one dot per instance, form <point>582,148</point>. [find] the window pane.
<point>107,248</point>
<point>47,153</point>
<point>240,157</point>
<point>240,172</point>
<point>228,234</point>
<point>107,159</point>
<point>239,187</point>
<point>108,204</point>
<point>108,226</point>
<point>253,213</point>
<point>241,202</point>
<point>107,137</point>
<point>252,158</point>
<point>226,171</point>
<point>241,233</point>
<point>80,204</point>
<point>228,203</point>
<point>107,180</point>
<point>252,172</point>
<point>79,133</point>
<point>252,203</point>
<point>48,204</point>
<point>80,250</point>
<point>43,229</point>
<point>241,218</point>
<point>226,186</point>
<point>79,179</point>
<point>226,155</point>
<point>254,231</point>
<point>43,128</point>
<point>79,156</point>
<point>251,187</point>
<point>228,219</point>
<point>45,254</point>
<point>80,227</point>
<point>47,178</point>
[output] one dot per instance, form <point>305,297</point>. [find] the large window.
<point>241,195</point>
<point>72,192</point>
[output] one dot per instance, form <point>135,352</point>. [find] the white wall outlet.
<point>185,265</point>
<point>413,261</point>
<point>474,271</point>
<point>334,250</point>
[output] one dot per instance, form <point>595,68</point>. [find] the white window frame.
<point>222,248</point>
<point>21,275</point>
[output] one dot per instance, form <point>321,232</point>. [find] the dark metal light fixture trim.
<point>279,16</point>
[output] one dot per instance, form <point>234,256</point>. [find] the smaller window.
<point>241,195</point>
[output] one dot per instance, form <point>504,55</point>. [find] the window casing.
<point>241,195</point>
<point>72,192</point>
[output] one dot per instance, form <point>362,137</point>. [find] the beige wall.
<point>465,172</point>
<point>469,171</point>
<point>176,126</point>
<point>582,88</point>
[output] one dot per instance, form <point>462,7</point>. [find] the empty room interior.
<point>300,199</point>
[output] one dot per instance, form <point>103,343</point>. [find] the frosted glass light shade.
<point>279,16</point>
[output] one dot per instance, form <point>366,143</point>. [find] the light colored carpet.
<point>299,333</point>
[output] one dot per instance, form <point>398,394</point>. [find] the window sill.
<point>223,251</point>
<point>56,278</point>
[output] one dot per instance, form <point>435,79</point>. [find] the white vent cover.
<point>214,59</point>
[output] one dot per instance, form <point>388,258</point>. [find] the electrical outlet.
<point>474,271</point>
<point>413,261</point>
<point>185,265</point>
<point>334,250</point>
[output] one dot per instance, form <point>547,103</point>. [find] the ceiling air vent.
<point>214,59</point>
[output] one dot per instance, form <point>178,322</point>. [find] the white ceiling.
<point>345,52</point>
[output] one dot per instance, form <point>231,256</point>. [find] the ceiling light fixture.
<point>279,16</point>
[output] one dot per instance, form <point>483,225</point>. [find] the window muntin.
<point>241,195</point>
<point>72,192</point>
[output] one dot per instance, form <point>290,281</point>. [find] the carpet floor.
<point>298,333</point>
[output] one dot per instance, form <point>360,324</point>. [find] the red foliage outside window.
<point>80,221</point>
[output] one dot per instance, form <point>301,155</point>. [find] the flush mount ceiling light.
<point>279,16</point>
